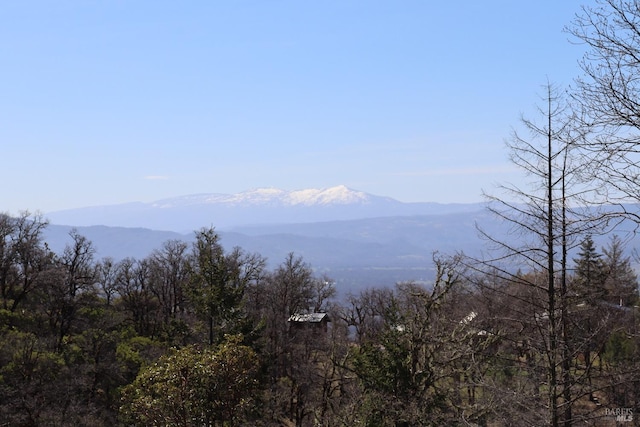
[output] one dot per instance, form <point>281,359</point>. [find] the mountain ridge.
<point>355,253</point>
<point>358,253</point>
<point>263,206</point>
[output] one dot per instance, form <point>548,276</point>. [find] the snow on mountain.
<point>339,195</point>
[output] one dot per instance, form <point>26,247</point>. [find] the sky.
<point>105,102</point>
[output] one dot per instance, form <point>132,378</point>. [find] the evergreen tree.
<point>589,272</point>
<point>217,284</point>
<point>621,283</point>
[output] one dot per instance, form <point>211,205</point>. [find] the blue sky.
<point>105,102</point>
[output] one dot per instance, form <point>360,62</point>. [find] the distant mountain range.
<point>358,239</point>
<point>356,253</point>
<point>256,207</point>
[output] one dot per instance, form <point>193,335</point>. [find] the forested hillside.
<point>202,335</point>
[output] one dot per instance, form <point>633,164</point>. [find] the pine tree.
<point>589,272</point>
<point>621,283</point>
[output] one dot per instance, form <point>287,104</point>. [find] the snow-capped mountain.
<point>339,195</point>
<point>259,206</point>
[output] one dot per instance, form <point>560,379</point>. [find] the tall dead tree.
<point>546,219</point>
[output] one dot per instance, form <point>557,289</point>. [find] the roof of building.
<point>309,317</point>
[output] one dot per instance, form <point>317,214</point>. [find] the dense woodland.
<point>198,336</point>
<point>542,330</point>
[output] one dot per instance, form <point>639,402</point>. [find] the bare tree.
<point>547,218</point>
<point>106,275</point>
<point>609,94</point>
<point>169,275</point>
<point>70,285</point>
<point>133,283</point>
<point>23,257</point>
